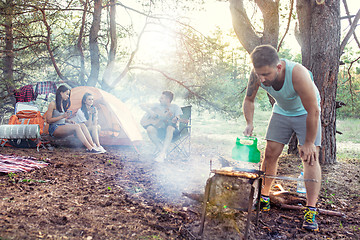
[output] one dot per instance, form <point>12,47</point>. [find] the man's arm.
<point>177,114</point>
<point>248,104</point>
<point>306,89</point>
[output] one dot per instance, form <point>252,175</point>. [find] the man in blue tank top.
<point>297,109</point>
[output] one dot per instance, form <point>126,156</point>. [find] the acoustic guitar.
<point>161,119</point>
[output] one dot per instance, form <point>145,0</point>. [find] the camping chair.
<point>182,141</point>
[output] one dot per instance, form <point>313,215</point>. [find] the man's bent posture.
<point>297,109</point>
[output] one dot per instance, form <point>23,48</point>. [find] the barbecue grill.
<point>239,188</point>
<point>236,188</point>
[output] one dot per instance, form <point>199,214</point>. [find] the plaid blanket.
<point>10,164</point>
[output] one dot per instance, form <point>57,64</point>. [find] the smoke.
<point>176,177</point>
<point>165,182</point>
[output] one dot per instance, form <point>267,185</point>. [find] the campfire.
<point>236,188</point>
<point>240,189</point>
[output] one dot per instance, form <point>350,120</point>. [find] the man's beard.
<point>274,82</point>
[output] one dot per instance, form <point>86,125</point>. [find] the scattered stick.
<point>194,196</point>
<point>322,211</point>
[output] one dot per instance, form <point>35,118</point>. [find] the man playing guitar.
<point>161,121</point>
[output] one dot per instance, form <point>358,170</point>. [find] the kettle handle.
<point>238,143</point>
<point>254,139</point>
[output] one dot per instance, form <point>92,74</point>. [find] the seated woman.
<point>87,117</point>
<point>59,123</point>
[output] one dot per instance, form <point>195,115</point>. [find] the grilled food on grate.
<point>229,171</point>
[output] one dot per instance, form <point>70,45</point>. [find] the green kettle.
<point>246,152</point>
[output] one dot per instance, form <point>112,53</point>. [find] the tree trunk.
<point>79,44</point>
<point>8,60</point>
<point>93,44</point>
<point>319,26</point>
<point>48,44</point>
<point>244,30</point>
<point>293,145</point>
<point>113,38</point>
<point>112,51</point>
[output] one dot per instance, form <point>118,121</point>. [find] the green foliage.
<point>214,68</point>
<point>215,72</point>
<point>357,70</point>
<point>32,180</point>
<point>32,62</point>
<point>12,177</point>
<point>150,237</point>
<point>286,53</point>
<point>348,92</point>
<point>350,127</point>
<point>348,88</point>
<point>262,101</point>
<point>220,72</point>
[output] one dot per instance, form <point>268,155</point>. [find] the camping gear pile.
<point>24,128</point>
<point>13,164</point>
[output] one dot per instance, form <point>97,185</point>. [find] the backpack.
<point>27,117</point>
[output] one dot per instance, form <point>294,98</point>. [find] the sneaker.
<point>101,149</point>
<point>160,158</point>
<point>309,219</point>
<point>93,150</point>
<point>264,203</point>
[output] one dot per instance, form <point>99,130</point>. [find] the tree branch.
<point>27,46</point>
<point>242,26</point>
<point>181,84</point>
<point>48,30</point>
<point>349,17</point>
<point>126,69</point>
<point>288,24</point>
<point>47,43</point>
<point>350,32</point>
<point>270,12</point>
<point>350,82</point>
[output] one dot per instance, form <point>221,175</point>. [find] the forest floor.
<point>126,195</point>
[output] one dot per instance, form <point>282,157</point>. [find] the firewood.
<point>194,196</point>
<point>321,211</point>
<point>284,197</point>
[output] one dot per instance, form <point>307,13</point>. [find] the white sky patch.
<point>157,41</point>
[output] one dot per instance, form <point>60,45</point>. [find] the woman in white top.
<point>59,123</point>
<point>87,117</point>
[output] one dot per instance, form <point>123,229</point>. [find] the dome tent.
<point>118,126</point>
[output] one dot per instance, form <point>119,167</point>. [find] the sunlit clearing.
<point>215,14</point>
<point>156,46</point>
